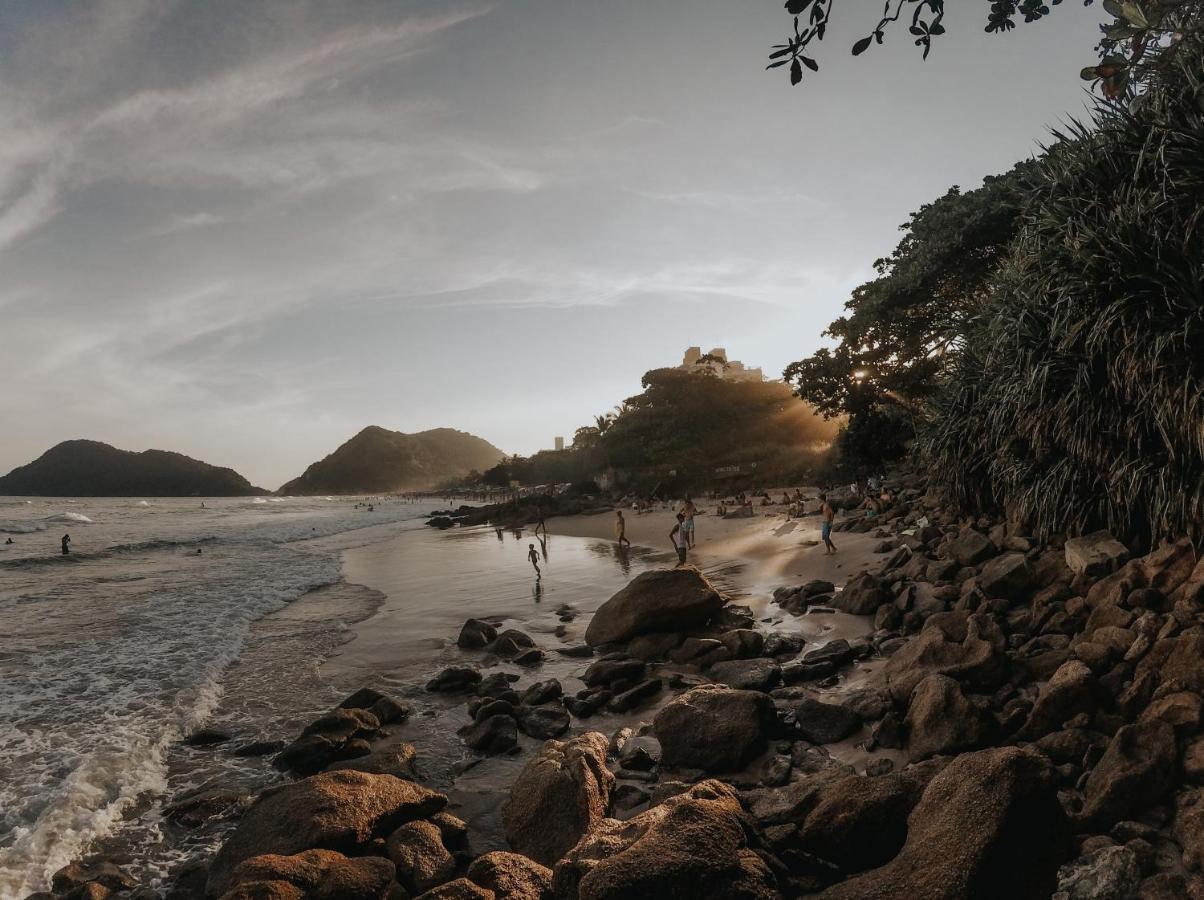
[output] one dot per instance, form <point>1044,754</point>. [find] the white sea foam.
<point>259,500</point>
<point>78,518</point>
<point>22,527</point>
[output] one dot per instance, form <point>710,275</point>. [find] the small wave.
<point>143,503</point>
<point>276,500</point>
<point>22,527</point>
<point>259,500</point>
<point>78,518</point>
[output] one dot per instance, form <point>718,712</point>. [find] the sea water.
<point>111,655</point>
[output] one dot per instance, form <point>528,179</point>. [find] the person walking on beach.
<point>621,528</point>
<point>533,555</point>
<point>825,530</point>
<point>681,540</point>
<point>66,544</point>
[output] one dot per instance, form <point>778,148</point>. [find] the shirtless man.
<point>689,510</point>
<point>621,528</point>
<point>533,556</point>
<point>825,531</point>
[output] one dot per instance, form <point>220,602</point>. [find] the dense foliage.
<point>1078,400</point>
<point>1142,40</point>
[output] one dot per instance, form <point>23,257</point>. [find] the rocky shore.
<point>1034,721</point>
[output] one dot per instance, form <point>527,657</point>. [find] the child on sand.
<point>533,555</point>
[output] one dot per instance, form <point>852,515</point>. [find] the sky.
<point>244,231</point>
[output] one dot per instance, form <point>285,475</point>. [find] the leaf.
<point>794,7</point>
<point>862,45</point>
<point>810,63</point>
<point>1112,7</point>
<point>796,72</point>
<point>780,62</point>
<point>780,53</point>
<point>1133,13</point>
<point>1089,74</point>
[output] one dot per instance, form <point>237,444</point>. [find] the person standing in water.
<point>533,555</point>
<point>66,544</point>
<point>621,528</point>
<point>825,531</point>
<point>681,540</point>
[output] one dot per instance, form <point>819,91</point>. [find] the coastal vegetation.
<point>1038,337</point>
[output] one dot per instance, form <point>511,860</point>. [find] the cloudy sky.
<point>244,230</point>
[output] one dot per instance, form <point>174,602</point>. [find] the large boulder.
<point>512,876</point>
<point>339,734</point>
<point>969,648</point>
<point>559,795</point>
<point>1189,827</point>
<point>692,845</point>
<point>862,595</point>
<point>825,723</point>
<point>1110,873</point>
<point>988,827</point>
<point>714,728</point>
<point>342,811</point>
<point>658,600</point>
<point>1134,773</point>
<point>859,823</point>
<point>1184,668</point>
<point>313,874</point>
<point>1095,554</point>
<point>422,861</point>
<point>940,720</point>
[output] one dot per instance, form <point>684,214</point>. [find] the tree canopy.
<point>1142,40</point>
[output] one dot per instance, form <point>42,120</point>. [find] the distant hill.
<point>93,469</point>
<point>381,461</point>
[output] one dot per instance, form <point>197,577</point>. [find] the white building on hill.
<point>716,360</point>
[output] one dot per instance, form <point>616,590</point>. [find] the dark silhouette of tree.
<point>1140,42</point>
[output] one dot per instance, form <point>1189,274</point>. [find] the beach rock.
<point>455,679</point>
<point>747,674</point>
<point>543,722</point>
<point>1182,710</point>
<point>714,728</point>
<point>1193,761</point>
<point>314,875</point>
<point>1134,773</point>
<point>396,759</point>
<point>1189,828</point>
<point>340,811</point>
<point>639,754</point>
<point>835,653</point>
<point>1111,873</point>
<point>416,849</point>
<point>530,658</point>
<point>743,643</point>
<point>604,671</point>
<point>966,647</point>
<point>104,873</point>
<point>694,844</point>
<point>977,817</point>
<point>542,692</point>
<point>658,600</point>
<point>825,723</point>
<point>656,646</point>
<point>862,595</point>
<point>476,635</point>
<point>492,734</point>
<point>969,548</point>
<point>340,734</point>
<point>859,823</point>
<point>1184,668</point>
<point>207,737</point>
<point>1072,690</point>
<point>195,807</point>
<point>782,645</point>
<point>459,889</point>
<point>386,709</point>
<point>1008,577</point>
<point>259,748</point>
<point>940,720</point>
<point>633,697</point>
<point>511,876</point>
<point>1095,555</point>
<point>559,795</point>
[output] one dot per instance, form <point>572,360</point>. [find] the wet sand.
<point>429,582</point>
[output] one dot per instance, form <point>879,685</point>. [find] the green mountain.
<point>381,461</point>
<point>92,469</point>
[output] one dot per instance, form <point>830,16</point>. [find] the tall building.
<point>716,360</point>
<point>559,442</point>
